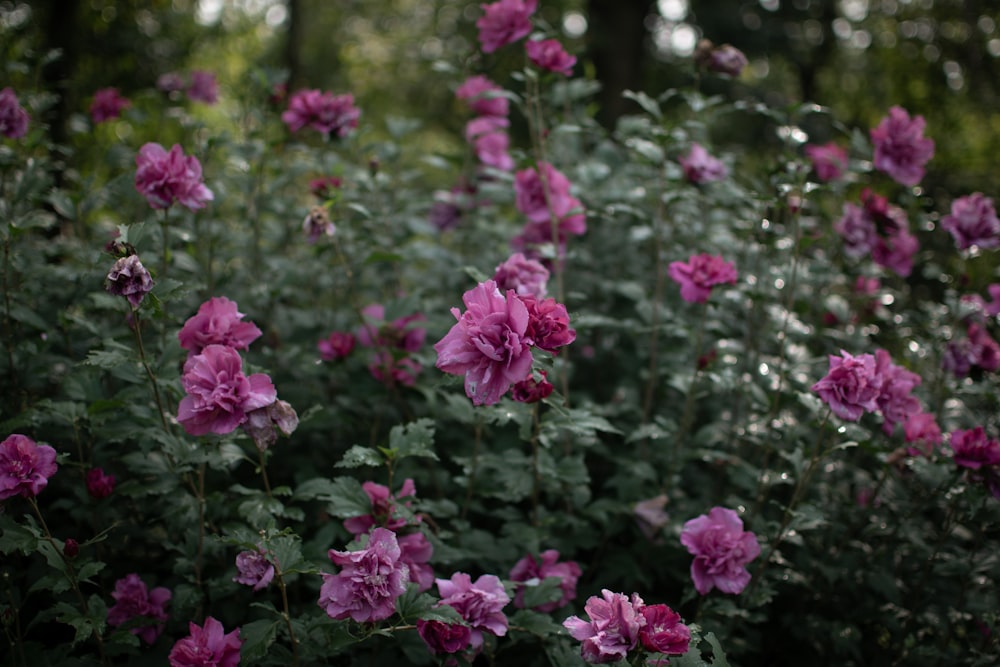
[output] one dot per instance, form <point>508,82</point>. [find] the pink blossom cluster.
<point>701,167</point>
<point>532,570</point>
<point>504,22</point>
<point>13,117</point>
<point>480,603</point>
<point>700,274</point>
<point>322,111</point>
<point>829,160</point>
<point>200,86</point>
<point>143,609</point>
<point>107,104</point>
<point>617,625</point>
<point>165,177</point>
<point>881,229</point>
<point>487,132</point>
<point>25,466</point>
<point>207,645</point>
<point>543,196</point>
<point>392,345</point>
<point>901,149</point>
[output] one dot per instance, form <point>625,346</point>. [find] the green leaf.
<point>358,456</point>
<point>413,605</point>
<point>718,655</point>
<point>257,637</point>
<point>646,102</point>
<point>344,495</point>
<point>413,439</point>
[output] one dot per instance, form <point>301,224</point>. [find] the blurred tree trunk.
<point>62,30</point>
<point>293,45</point>
<point>617,46</point>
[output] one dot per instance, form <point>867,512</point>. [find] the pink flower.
<point>700,167</point>
<point>896,251</point>
<point>973,222</point>
<point>479,603</point>
<point>322,111</point>
<point>478,92</point>
<point>163,178</point>
<point>384,508</point>
<point>901,150</point>
<point>490,141</point>
<point>13,118</point>
<point>134,601</point>
<point>829,160</point>
<point>984,351</point>
<point>325,187</point>
<point>650,515</point>
<point>415,551</point>
<point>208,646</point>
<point>25,466</point>
<point>851,387</point>
<point>973,450</point>
<point>664,632</point>
<point>878,228</point>
<point>549,54</point>
<point>488,344</point>
<point>543,196</point>
<point>548,324</point>
<point>858,231</point>
<point>130,279</point>
<point>170,82</point>
<point>895,399</point>
<point>700,274</point>
<point>527,277</point>
<point>530,390</point>
<point>107,104</point>
<point>922,432</point>
<point>203,87</point>
<point>99,485</point>
<point>721,550</point>
<point>217,322</point>
<point>253,569</point>
<point>369,582</point>
<point>443,637</point>
<point>725,59</point>
<point>399,333</point>
<point>336,346</point>
<point>504,22</point>
<point>532,570</point>
<point>613,628</point>
<point>219,396</point>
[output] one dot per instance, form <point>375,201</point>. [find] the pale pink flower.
<point>700,274</point>
<point>479,92</point>
<point>219,395</point>
<point>133,600</point>
<point>170,82</point>
<point>13,118</point>
<point>725,59</point>
<point>163,178</point>
<point>532,570</point>
<point>217,322</point>
<point>107,104</point>
<point>973,222</point>
<point>207,646</point>
<point>504,22</point>
<point>203,87</point>
<point>323,111</point>
<point>480,603</point>
<point>369,582</point>
<point>527,277</point>
<point>721,550</point>
<point>851,387</point>
<point>700,167</point>
<point>549,54</point>
<point>829,160</point>
<point>901,150</point>
<point>612,630</point>
<point>25,466</point>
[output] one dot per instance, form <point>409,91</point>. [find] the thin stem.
<point>536,474</point>
<point>149,371</point>
<point>687,417</point>
<point>165,260</point>
<point>263,472</point>
<point>286,615</point>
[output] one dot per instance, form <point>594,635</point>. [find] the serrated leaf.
<point>257,637</point>
<point>413,439</point>
<point>358,456</point>
<point>646,102</point>
<point>344,495</point>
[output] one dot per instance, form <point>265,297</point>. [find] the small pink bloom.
<point>490,141</point>
<point>163,178</point>
<point>107,104</point>
<point>338,345</point>
<point>895,399</point>
<point>548,324</point>
<point>922,434</point>
<point>325,187</point>
<point>218,322</point>
<point>133,600</point>
<point>369,582</point>
<point>612,630</point>
<point>700,274</point>
<point>99,485</point>
<point>901,150</point>
<point>543,195</point>
<point>530,390</point>
<point>207,646</point>
<point>651,516</point>
<point>13,118</point>
<point>973,450</point>
<point>829,160</point>
<point>721,550</point>
<point>385,512</point>
<point>323,111</point>
<point>858,231</point>
<point>203,87</point>
<point>444,637</point>
<point>896,251</point>
<point>532,570</point>
<point>851,387</point>
<point>253,569</point>
<point>25,466</point>
<point>504,22</point>
<point>527,277</point>
<point>664,632</point>
<point>549,54</point>
<point>415,551</point>
<point>130,279</point>
<point>479,91</point>
<point>700,167</point>
<point>219,396</point>
<point>973,222</point>
<point>480,603</point>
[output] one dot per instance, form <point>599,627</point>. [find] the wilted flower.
<point>527,277</point>
<point>700,167</point>
<point>263,424</point>
<point>721,550</point>
<point>133,600</point>
<point>532,570</point>
<point>323,111</point>
<point>217,322</point>
<point>530,390</point>
<point>478,92</point>
<point>99,484</point>
<point>851,387</point>
<point>203,87</point>
<point>163,177</point>
<point>207,646</point>
<point>254,568</point>
<point>700,274</point>
<point>612,629</point>
<point>336,346</point>
<point>107,104</point>
<point>25,466</point>
<point>130,279</point>
<point>504,22</point>
<point>443,637</point>
<point>664,632</point>
<point>369,582</point>
<point>480,603</point>
<point>318,224</point>
<point>901,150</point>
<point>829,160</point>
<point>973,222</point>
<point>219,395</point>
<point>13,118</point>
<point>549,54</point>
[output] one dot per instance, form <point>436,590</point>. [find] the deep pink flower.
<point>896,252</point>
<point>336,346</point>
<point>851,387</point>
<point>867,285</point>
<point>203,87</point>
<point>530,390</point>
<point>219,395</point>
<point>385,512</point>
<point>369,582</point>
<point>548,324</point>
<point>13,118</point>
<point>879,228</point>
<point>549,54</point>
<point>901,150</point>
<point>532,570</point>
<point>612,629</point>
<point>488,344</point>
<point>254,569</point>
<point>99,485</point>
<point>479,91</point>
<point>263,424</point>
<point>130,279</point>
<point>134,601</point>
<point>895,399</point>
<point>829,160</point>
<point>700,167</point>
<point>721,550</point>
<point>71,548</point>
<point>664,632</point>
<point>490,141</point>
<point>699,274</point>
<point>217,322</point>
<point>527,277</point>
<point>415,550</point>
<point>208,646</point>
<point>325,187</point>
<point>107,104</point>
<point>323,111</point>
<point>163,177</point>
<point>922,434</point>
<point>394,369</point>
<point>972,449</point>
<point>480,603</point>
<point>973,222</point>
<point>504,22</point>
<point>443,637</point>
<point>25,466</point>
<point>543,195</point>
<point>984,351</point>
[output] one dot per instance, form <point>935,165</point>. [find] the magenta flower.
<point>25,466</point>
<point>338,345</point>
<point>415,551</point>
<point>385,512</point>
<point>99,485</point>
<point>107,104</point>
<point>895,399</point>
<point>901,150</point>
<point>504,22</point>
<point>549,54</point>
<point>829,160</point>
<point>664,632</point>
<point>530,390</point>
<point>532,570</point>
<point>480,603</point>
<point>369,582</point>
<point>479,92</point>
<point>203,87</point>
<point>922,434</point>
<point>527,277</point>
<point>323,111</point>
<point>851,387</point>
<point>973,222</point>
<point>725,59</point>
<point>208,646</point>
<point>13,118</point>
<point>254,569</point>
<point>700,167</point>
<point>488,344</point>
<point>325,187</point>
<point>548,324</point>
<point>973,450</point>
<point>217,322</point>
<point>543,195</point>
<point>700,274</point>
<point>219,395</point>
<point>400,333</point>
<point>858,231</point>
<point>721,550</point>
<point>130,279</point>
<point>490,141</point>
<point>163,178</point>
<point>443,637</point>
<point>896,251</point>
<point>612,629</point>
<point>134,601</point>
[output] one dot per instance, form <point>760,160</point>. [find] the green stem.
<point>286,614</point>
<point>687,417</point>
<point>535,473</point>
<point>263,472</point>
<point>149,371</point>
